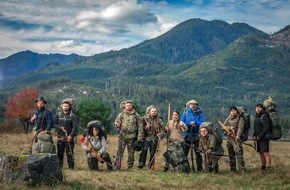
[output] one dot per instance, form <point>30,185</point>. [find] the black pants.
<point>197,153</point>
<point>94,162</point>
<point>152,145</point>
<point>68,148</point>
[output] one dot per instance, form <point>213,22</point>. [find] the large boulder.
<point>30,169</point>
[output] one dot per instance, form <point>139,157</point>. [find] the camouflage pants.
<point>211,163</point>
<point>236,153</point>
<point>175,156</point>
<point>121,148</point>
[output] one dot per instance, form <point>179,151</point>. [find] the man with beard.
<point>153,129</point>
<point>66,123</point>
<point>129,122</point>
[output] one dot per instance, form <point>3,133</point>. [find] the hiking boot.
<point>263,169</point>
<point>242,170</point>
<point>129,168</point>
<point>166,169</point>
<point>233,169</point>
<point>216,170</point>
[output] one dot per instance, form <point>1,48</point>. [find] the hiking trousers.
<point>152,146</point>
<point>68,148</point>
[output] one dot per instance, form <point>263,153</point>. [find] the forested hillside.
<point>217,64</point>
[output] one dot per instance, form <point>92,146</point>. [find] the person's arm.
<point>140,128</point>
<point>183,126</point>
<point>266,126</point>
<point>74,125</point>
<point>55,122</point>
<point>200,119</point>
<point>49,121</point>
<point>85,144</point>
<point>104,145</point>
<point>240,130</point>
<point>183,118</point>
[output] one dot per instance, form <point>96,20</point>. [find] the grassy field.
<point>82,178</point>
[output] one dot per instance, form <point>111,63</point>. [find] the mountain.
<point>241,70</point>
<point>188,41</point>
<point>27,61</point>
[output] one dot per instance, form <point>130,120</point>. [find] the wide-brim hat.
<point>192,102</point>
<point>41,99</point>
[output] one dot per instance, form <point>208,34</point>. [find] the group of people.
<point>185,132</point>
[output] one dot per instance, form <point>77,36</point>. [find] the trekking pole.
<point>72,155</point>
<point>191,149</point>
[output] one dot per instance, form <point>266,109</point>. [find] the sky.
<point>88,27</point>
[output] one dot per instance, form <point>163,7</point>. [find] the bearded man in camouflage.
<point>129,122</point>
<point>153,129</point>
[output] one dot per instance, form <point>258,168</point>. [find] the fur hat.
<point>40,99</point>
<point>204,125</point>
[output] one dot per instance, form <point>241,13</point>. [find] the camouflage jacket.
<point>156,126</point>
<point>131,125</point>
<point>207,142</point>
<point>237,122</point>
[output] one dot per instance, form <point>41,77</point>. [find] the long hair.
<point>98,128</point>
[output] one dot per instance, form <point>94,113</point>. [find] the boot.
<point>216,169</point>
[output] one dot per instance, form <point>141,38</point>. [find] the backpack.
<point>213,130</point>
<point>271,109</point>
<point>98,124</point>
<point>246,116</point>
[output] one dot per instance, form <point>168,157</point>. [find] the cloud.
<point>93,26</point>
<point>114,18</point>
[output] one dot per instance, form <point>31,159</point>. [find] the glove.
<point>209,151</point>
<point>139,143</point>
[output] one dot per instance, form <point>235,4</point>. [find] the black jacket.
<point>262,125</point>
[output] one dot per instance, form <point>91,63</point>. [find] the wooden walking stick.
<point>191,149</point>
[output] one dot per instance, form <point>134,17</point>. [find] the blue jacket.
<point>195,116</point>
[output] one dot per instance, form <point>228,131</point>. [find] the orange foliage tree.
<point>21,105</point>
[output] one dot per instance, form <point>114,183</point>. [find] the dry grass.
<point>82,178</point>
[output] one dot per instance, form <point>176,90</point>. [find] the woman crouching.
<point>95,145</point>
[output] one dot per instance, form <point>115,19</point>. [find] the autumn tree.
<point>21,105</point>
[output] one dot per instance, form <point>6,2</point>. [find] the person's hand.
<point>192,124</point>
<point>89,148</point>
<point>147,126</point>
<point>69,138</point>
<point>118,124</point>
<point>63,129</point>
<point>238,138</point>
<point>33,118</point>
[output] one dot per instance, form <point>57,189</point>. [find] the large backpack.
<point>213,130</point>
<point>246,116</point>
<point>276,129</point>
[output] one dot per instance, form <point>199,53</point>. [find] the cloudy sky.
<point>88,27</point>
